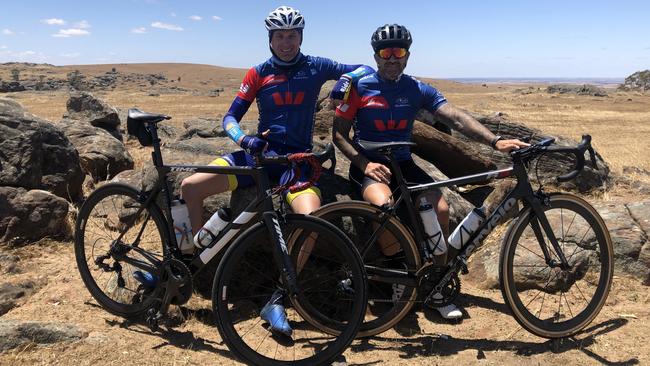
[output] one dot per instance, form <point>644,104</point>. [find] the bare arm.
<point>341,137</point>
<point>470,127</point>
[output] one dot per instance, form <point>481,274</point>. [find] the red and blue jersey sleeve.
<point>433,99</point>
<point>250,85</point>
<point>348,110</point>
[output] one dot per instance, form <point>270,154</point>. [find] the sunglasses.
<point>398,52</point>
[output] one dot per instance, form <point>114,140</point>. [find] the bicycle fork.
<point>538,221</point>
<point>280,252</point>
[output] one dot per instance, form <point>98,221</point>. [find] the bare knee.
<point>378,194</point>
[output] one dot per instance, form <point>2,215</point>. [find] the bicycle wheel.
<point>110,211</point>
<point>551,302</point>
<point>388,303</point>
<point>331,285</point>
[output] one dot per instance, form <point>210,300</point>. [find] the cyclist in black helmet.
<point>382,107</point>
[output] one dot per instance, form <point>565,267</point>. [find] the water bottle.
<point>435,239</point>
<point>464,230</point>
<point>182,226</point>
<point>211,229</point>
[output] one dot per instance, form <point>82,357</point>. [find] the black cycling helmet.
<point>391,35</point>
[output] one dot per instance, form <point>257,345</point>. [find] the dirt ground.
<point>487,334</point>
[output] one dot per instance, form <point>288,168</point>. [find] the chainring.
<point>181,273</point>
<point>449,292</point>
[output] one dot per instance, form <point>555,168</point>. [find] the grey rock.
<point>86,107</point>
<point>203,127</point>
<point>9,263</point>
<point>27,216</point>
<point>35,154</point>
<point>100,154</point>
<point>11,294</point>
<point>15,333</point>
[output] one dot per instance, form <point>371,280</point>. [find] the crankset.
<point>441,290</point>
<point>177,290</point>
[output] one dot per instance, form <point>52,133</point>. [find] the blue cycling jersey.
<point>384,110</point>
<point>286,99</point>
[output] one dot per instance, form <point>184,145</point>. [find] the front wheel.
<point>549,301</point>
<point>331,294</point>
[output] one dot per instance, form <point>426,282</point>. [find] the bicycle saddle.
<point>144,117</point>
<point>384,147</point>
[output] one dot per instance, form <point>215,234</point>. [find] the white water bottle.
<point>464,230</point>
<point>211,229</point>
<point>432,228</point>
<point>182,226</point>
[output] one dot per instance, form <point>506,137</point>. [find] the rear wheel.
<point>332,294</point>
<point>548,301</point>
<point>388,302</point>
<point>109,230</point>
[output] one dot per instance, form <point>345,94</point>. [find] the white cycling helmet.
<point>284,18</point>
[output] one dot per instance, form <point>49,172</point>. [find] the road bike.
<point>122,232</point>
<point>556,259</point>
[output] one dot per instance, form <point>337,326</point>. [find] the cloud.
<point>172,27</point>
<point>216,17</point>
<point>139,30</point>
<point>70,55</point>
<point>72,32</point>
<point>196,17</point>
<point>53,21</point>
<point>8,32</point>
<point>82,25</point>
<point>173,15</point>
<point>3,47</point>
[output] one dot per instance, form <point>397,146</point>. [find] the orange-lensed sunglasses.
<point>398,52</point>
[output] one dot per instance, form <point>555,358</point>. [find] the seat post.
<point>156,155</point>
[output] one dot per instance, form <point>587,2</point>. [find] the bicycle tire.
<point>356,219</point>
<point>248,275</point>
<point>524,275</point>
<point>104,215</point>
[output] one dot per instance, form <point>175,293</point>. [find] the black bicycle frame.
<point>261,205</point>
<point>522,191</point>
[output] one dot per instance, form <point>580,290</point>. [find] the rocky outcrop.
<point>34,154</point>
<point>101,155</point>
<point>27,216</point>
<point>640,81</point>
<point>585,89</point>
<point>203,127</point>
<point>12,294</point>
<point>16,333</point>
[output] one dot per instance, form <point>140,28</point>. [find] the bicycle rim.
<point>248,276</point>
<point>387,303</point>
<point>551,302</point>
<point>109,213</point>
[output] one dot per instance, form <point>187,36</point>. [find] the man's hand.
<point>378,172</point>
<point>506,146</point>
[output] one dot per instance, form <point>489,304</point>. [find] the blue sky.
<point>452,39</point>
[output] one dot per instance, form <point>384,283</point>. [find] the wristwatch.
<point>494,141</point>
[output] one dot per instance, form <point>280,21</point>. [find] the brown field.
<point>488,335</point>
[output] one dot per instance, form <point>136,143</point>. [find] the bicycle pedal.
<point>463,269</point>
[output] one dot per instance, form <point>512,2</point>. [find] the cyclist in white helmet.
<point>286,87</point>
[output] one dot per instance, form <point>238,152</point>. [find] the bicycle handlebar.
<point>315,160</point>
<point>531,152</point>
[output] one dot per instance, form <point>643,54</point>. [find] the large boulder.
<point>27,216</point>
<point>203,127</point>
<point>640,80</point>
<point>100,154</point>
<point>11,295</point>
<point>35,154</point>
<point>86,107</point>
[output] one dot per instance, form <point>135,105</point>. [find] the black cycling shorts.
<point>412,173</point>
